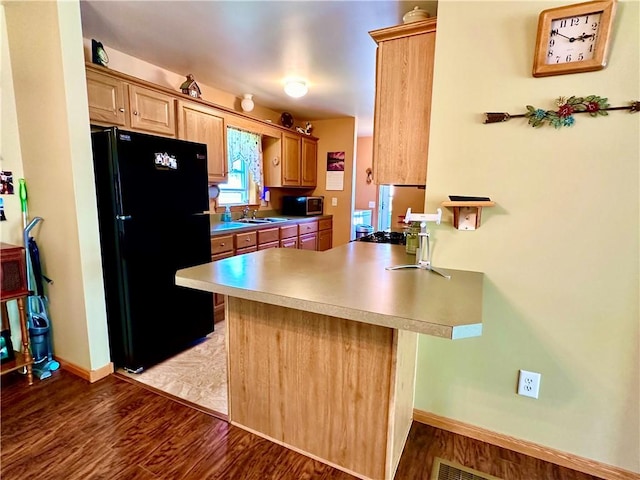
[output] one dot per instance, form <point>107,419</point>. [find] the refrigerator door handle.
<point>123,217</point>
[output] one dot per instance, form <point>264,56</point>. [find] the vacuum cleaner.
<point>37,317</point>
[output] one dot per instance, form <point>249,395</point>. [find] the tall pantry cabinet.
<point>404,78</point>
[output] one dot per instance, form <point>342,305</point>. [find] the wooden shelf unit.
<point>466,214</point>
<point>14,287</point>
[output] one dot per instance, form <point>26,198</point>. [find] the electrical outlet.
<point>529,384</point>
<point>334,201</point>
<point>372,204</point>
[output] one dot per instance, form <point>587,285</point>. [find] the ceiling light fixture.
<point>295,88</point>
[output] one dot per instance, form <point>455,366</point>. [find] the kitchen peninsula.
<point>322,345</point>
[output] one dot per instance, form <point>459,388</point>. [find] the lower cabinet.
<point>246,242</point>
<point>325,234</point>
<point>308,235</point>
<point>289,236</point>
<point>221,247</point>
<point>268,238</point>
<point>308,241</point>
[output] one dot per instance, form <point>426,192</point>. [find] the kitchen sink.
<point>262,220</point>
<point>252,220</point>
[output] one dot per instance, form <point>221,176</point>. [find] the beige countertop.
<point>350,281</point>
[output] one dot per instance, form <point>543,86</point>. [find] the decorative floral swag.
<point>563,117</point>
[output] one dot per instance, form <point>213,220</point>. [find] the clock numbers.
<point>571,39</point>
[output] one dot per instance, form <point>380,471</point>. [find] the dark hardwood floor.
<point>65,428</point>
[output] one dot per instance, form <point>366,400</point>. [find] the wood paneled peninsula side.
<point>322,345</point>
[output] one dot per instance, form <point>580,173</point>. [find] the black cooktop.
<point>396,238</point>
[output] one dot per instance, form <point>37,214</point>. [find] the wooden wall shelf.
<point>466,214</point>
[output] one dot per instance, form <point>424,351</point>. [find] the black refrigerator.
<point>153,204</point>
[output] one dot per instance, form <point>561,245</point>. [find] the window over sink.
<point>245,179</point>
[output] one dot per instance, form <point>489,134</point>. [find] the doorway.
<point>393,201</point>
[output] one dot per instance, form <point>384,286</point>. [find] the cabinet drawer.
<point>309,227</point>
<point>241,251</point>
<point>264,246</point>
<point>221,244</point>
<point>268,235</point>
<point>220,256</point>
<point>289,242</point>
<point>244,240</point>
<point>289,231</point>
<point>325,224</point>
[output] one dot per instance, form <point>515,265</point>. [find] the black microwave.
<point>301,206</point>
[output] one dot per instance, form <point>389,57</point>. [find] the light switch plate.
<point>334,201</point>
<point>372,204</point>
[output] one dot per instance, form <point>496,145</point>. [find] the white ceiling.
<point>251,46</point>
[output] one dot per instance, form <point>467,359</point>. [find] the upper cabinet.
<point>291,161</point>
<point>404,78</point>
<point>309,162</point>
<point>198,123</point>
<point>152,111</point>
<point>108,99</point>
<point>117,99</point>
<point>113,101</point>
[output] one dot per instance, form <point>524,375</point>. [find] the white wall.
<point>560,250</point>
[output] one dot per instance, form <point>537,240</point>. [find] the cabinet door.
<point>290,160</point>
<point>403,109</point>
<point>325,240</point>
<point>152,111</point>
<point>289,242</point>
<point>308,242</point>
<point>205,125</point>
<point>309,162</point>
<point>107,97</point>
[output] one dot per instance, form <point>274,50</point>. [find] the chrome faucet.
<point>245,211</point>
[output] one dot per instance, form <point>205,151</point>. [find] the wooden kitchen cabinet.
<point>268,238</point>
<point>108,99</point>
<point>325,234</point>
<point>404,78</point>
<point>202,124</point>
<point>218,298</point>
<point>308,236</point>
<point>309,162</point>
<point>113,101</point>
<point>246,241</point>
<point>291,154</point>
<point>296,164</point>
<point>221,244</point>
<point>152,111</point>
<point>289,236</point>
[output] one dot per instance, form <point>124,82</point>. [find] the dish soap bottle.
<point>226,216</point>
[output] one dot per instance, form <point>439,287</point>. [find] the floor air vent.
<point>446,470</point>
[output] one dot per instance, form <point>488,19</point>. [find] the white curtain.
<point>247,147</point>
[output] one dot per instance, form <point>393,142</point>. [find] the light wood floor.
<point>64,428</point>
<point>197,375</point>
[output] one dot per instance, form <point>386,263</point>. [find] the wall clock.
<point>573,38</point>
